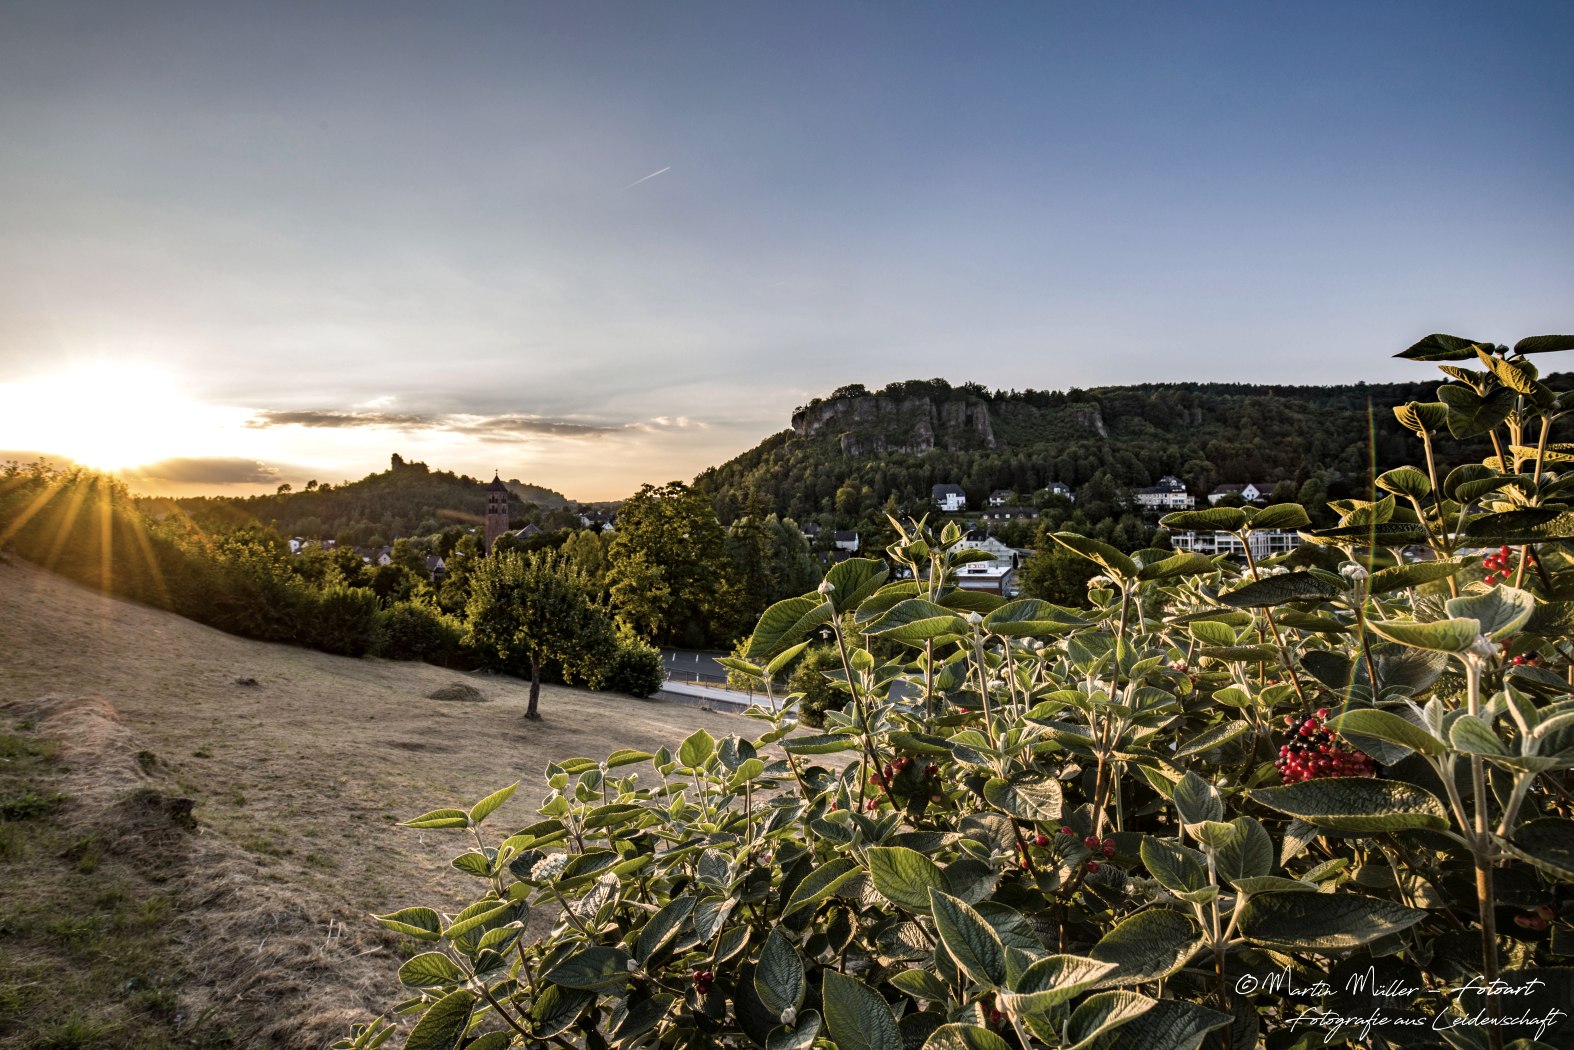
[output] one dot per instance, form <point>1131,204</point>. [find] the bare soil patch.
<point>266,781</point>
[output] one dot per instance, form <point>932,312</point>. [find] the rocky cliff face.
<point>871,425</point>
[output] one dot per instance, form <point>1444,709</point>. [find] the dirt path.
<point>298,779</point>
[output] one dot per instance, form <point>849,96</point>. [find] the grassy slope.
<point>297,783</point>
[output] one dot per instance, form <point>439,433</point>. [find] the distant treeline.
<point>407,499</point>
<point>1317,442</point>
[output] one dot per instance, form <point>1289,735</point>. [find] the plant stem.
<point>1481,847</point>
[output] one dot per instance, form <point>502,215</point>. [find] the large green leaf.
<point>1247,854</point>
<point>1276,590</point>
<point>1470,414</point>
<point>1196,800</point>
<point>595,968</point>
<point>1149,946</point>
<point>854,580</point>
<point>801,1037</point>
<point>1100,553</point>
<point>1176,566</point>
<point>482,809</point>
<point>662,929</point>
<point>1386,534</point>
<point>1356,804</point>
<point>1052,980</point>
<point>1213,519</point>
<point>421,923</point>
<point>1544,344</point>
<point>428,970</point>
<point>1322,921</point>
<point>1171,1024</point>
<point>1101,1013</point>
<point>1422,416</point>
<point>1442,636</point>
<point>1548,843</point>
<point>444,1022</point>
<point>696,749</point>
<point>972,943</point>
<point>916,621</point>
<point>1405,481</point>
<point>778,976</point>
<point>1398,577</point>
<point>1177,868</point>
<point>820,744</point>
<point>785,624</point>
<point>1282,516</point>
<point>1212,738</point>
<point>964,1037</point>
<point>1531,525</point>
<point>1385,725</point>
<point>1474,736</point>
<point>1440,347</point>
<point>1033,797</point>
<point>904,877</point>
<point>1502,611</point>
<point>820,884</point>
<point>858,1019</point>
<point>1032,617</point>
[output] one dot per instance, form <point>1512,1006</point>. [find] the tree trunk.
<point>535,689</point>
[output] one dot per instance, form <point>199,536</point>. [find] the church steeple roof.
<point>497,484</point>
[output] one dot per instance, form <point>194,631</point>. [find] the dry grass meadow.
<point>248,928</point>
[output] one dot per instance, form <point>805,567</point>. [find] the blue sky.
<point>421,228</point>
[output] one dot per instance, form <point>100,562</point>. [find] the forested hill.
<point>848,456</point>
<point>407,499</point>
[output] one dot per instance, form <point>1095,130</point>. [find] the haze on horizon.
<point>591,246</point>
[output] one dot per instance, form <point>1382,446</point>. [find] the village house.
<point>949,498</point>
<point>1263,544</point>
<point>999,498</point>
<point>996,576</point>
<point>1169,494</point>
<point>998,514</point>
<point>846,541</point>
<point>1059,488</point>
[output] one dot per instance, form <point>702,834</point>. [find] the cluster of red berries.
<point>1315,751</point>
<point>1539,919</point>
<point>1498,567</point>
<point>900,765</point>
<point>1526,660</point>
<point>703,980</point>
<point>1094,844</point>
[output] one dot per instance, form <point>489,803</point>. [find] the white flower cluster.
<point>549,867</point>
<point>1353,571</point>
<point>1275,570</point>
<point>1101,581</point>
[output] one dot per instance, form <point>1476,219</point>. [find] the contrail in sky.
<point>647,178</point>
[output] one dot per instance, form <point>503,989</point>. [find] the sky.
<point>593,245</point>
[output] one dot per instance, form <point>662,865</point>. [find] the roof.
<point>497,485</point>
<point>947,490</point>
<point>842,534</point>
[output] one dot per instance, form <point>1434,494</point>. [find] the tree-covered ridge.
<point>407,499</point>
<point>848,457</point>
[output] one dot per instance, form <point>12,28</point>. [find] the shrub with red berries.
<point>1314,751</point>
<point>1499,566</point>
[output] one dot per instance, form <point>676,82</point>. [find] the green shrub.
<point>418,631</point>
<point>343,620</point>
<point>635,669</point>
<point>819,694</point>
<point>1155,822</point>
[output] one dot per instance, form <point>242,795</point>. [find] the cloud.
<point>527,426</point>
<point>205,471</point>
<point>505,427</point>
<point>339,420</point>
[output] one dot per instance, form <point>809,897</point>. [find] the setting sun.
<point>106,416</point>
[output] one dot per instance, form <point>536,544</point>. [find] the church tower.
<point>496,511</point>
